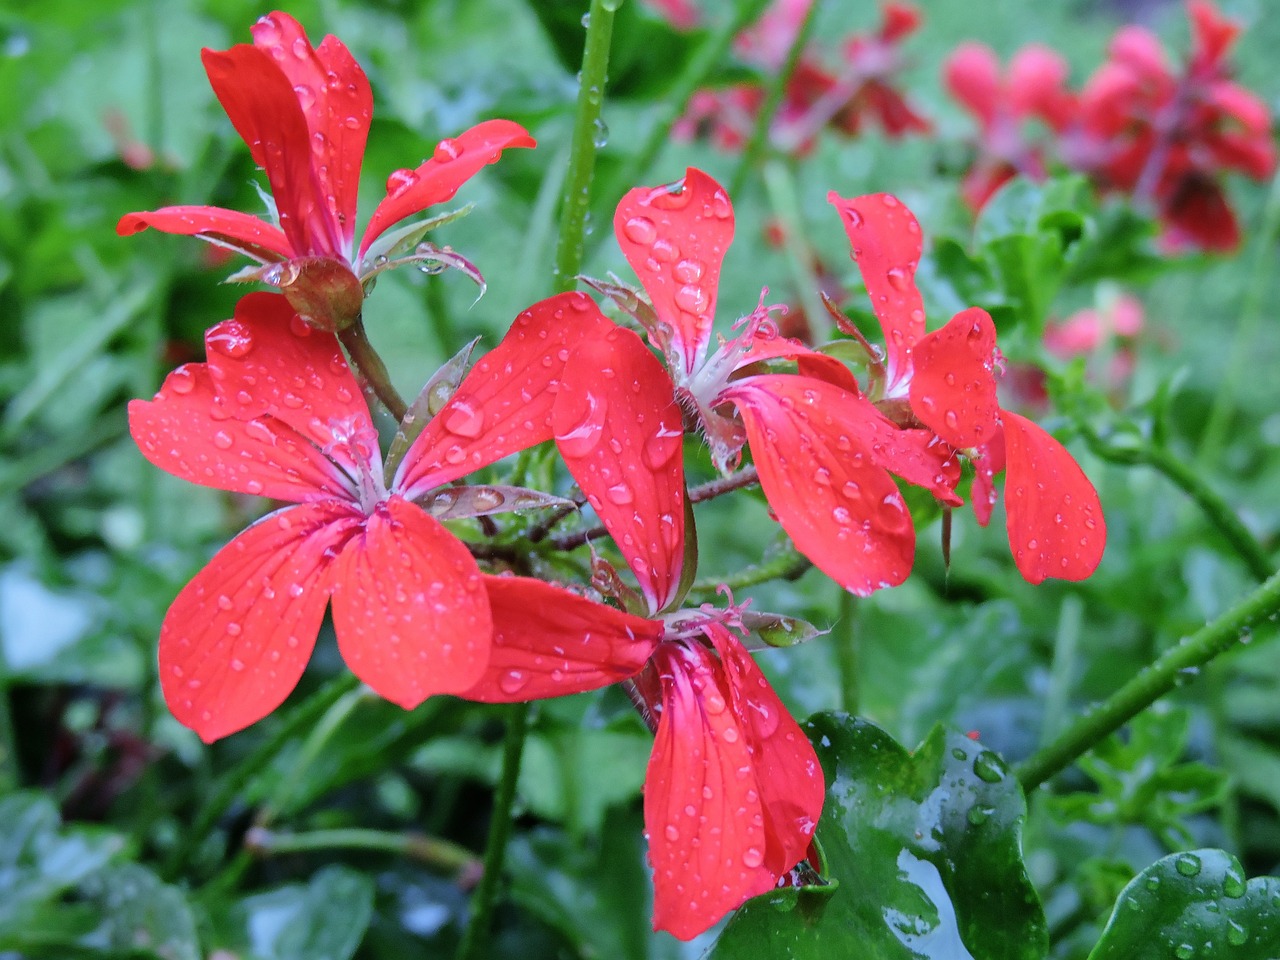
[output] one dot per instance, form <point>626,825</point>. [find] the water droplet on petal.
<point>400,181</point>
<point>692,299</point>
<point>899,278</point>
<point>752,858</point>
<point>640,230</point>
<point>231,339</point>
<point>690,271</point>
<point>447,150</point>
<point>464,419</point>
<point>584,436</point>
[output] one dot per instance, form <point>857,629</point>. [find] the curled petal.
<point>1037,85</point>
<point>972,76</point>
<point>228,228</point>
<point>675,238</point>
<point>841,509</point>
<point>187,431</point>
<point>548,642</point>
<point>409,608</point>
<point>504,404</point>
<point>1212,34</point>
<point>454,162</point>
<point>886,243</point>
<point>953,390</point>
<point>1056,528</point>
<point>268,361</point>
<point>236,639</point>
<point>620,432</point>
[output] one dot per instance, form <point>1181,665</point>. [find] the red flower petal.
<point>548,642</point>
<point>504,404</point>
<point>236,639</point>
<point>972,75</point>
<point>886,244</point>
<point>620,432</point>
<point>409,609</point>
<point>186,432</point>
<point>254,237</point>
<point>1197,212</point>
<point>953,389</point>
<point>841,510</point>
<point>703,809</point>
<point>990,460</point>
<point>337,102</point>
<point>269,361</point>
<point>791,784</point>
<point>675,237</point>
<point>1056,528</point>
<point>267,113</point>
<point>454,162</point>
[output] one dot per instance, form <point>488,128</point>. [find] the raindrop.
<point>899,279</point>
<point>640,230</point>
<point>231,339</point>
<point>584,437</point>
<point>400,180</point>
<point>464,419</point>
<point>222,440</point>
<point>752,858</point>
<point>181,381</point>
<point>1187,864</point>
<point>692,299</point>
<point>660,448</point>
<point>689,271</point>
<point>446,150</point>
<point>599,133</point>
<point>841,516</point>
<point>987,766</point>
<point>512,681</point>
<point>620,494</point>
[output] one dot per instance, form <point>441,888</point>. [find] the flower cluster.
<point>1138,127</point>
<point>278,410</point>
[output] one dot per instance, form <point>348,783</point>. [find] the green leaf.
<point>1193,905</point>
<point>925,848</point>
<point>322,920</point>
<point>139,910</point>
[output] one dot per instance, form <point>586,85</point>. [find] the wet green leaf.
<point>138,910</point>
<point>1194,906</point>
<point>926,848</point>
<point>322,920</point>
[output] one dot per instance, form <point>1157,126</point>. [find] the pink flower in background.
<point>305,113</point>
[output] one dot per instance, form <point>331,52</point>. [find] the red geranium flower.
<point>305,114</point>
<point>823,452</point>
<point>947,380</point>
<point>733,789</point>
<point>276,412</point>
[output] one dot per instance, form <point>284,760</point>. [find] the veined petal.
<point>840,509</point>
<point>620,432</point>
<point>267,113</point>
<point>255,238</point>
<point>504,404</point>
<point>454,162</point>
<point>1056,528</point>
<point>703,809</point>
<point>953,389</point>
<point>548,642</point>
<point>791,784</point>
<point>675,238</point>
<point>886,243</point>
<point>236,639</point>
<point>337,102</point>
<point>268,361</point>
<point>409,608</point>
<point>186,431</point>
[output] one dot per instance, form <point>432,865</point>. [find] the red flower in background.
<point>1033,89</point>
<point>276,412</point>
<point>305,113</point>
<point>1166,137</point>
<point>733,789</point>
<point>947,380</point>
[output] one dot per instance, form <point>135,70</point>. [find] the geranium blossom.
<point>305,113</point>
<point>945,380</point>
<point>822,451</point>
<point>733,789</point>
<point>276,412</point>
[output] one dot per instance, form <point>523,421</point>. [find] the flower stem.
<point>433,851</point>
<point>570,246</point>
<point>473,942</point>
<point>759,139</point>
<point>371,368</point>
<point>1214,507</point>
<point>1151,683</point>
<point>304,715</point>
<point>787,565</point>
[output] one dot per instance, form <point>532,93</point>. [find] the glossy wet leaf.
<point>926,849</point>
<point>324,919</point>
<point>139,910</point>
<point>1194,906</point>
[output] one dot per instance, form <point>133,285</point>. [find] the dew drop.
<point>181,381</point>
<point>692,299</point>
<point>899,278</point>
<point>690,270</point>
<point>752,857</point>
<point>400,181</point>
<point>464,419</point>
<point>640,230</point>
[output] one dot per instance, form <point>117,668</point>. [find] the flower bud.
<point>324,291</point>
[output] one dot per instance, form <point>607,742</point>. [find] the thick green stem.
<point>754,151</point>
<point>371,369</point>
<point>474,940</point>
<point>1152,683</point>
<point>570,246</point>
<point>1189,481</point>
<point>787,565</point>
<point>304,715</point>
<point>433,851</point>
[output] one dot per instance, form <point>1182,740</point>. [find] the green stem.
<point>1188,480</point>
<point>1220,413</point>
<point>1151,683</point>
<point>570,245</point>
<point>787,565</point>
<point>474,940</point>
<point>371,368</point>
<point>773,100</point>
<point>433,851</point>
<point>304,715</point>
